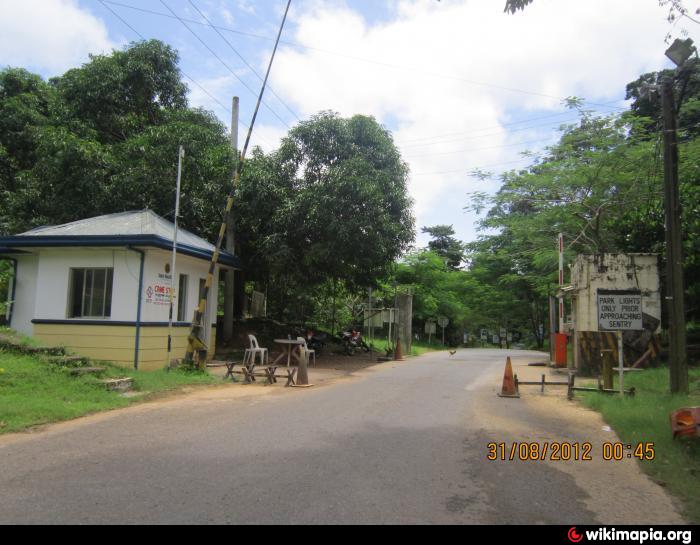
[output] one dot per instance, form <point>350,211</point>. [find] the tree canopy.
<point>104,138</point>
<point>445,245</point>
<point>331,203</point>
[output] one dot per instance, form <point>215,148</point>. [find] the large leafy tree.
<point>444,244</point>
<point>104,138</point>
<point>601,185</point>
<point>331,203</point>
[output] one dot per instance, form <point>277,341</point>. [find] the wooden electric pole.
<point>229,279</point>
<point>678,358</point>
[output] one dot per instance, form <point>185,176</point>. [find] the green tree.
<point>104,138</point>
<point>515,5</point>
<point>445,244</point>
<point>331,203</point>
<point>115,96</point>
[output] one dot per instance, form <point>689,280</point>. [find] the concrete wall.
<point>155,308</point>
<point>613,272</point>
<point>117,343</point>
<point>25,294</point>
<point>52,283</point>
<point>43,289</point>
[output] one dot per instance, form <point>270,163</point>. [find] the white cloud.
<point>49,36</point>
<point>268,137</point>
<point>445,67</point>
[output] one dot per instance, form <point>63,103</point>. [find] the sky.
<point>461,85</point>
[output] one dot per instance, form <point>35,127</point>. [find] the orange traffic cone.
<point>509,389</point>
<point>398,354</point>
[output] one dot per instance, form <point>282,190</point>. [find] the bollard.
<point>607,371</point>
<point>303,375</point>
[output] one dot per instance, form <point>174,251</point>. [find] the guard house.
<point>101,287</point>
<point>589,273</point>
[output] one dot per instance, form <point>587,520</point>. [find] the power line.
<point>243,59</point>
<point>195,339</point>
<point>204,89</point>
<point>467,170</point>
<point>223,63</point>
<point>412,69</point>
<point>471,131</point>
<point>479,149</point>
<point>438,142</point>
<point>633,140</point>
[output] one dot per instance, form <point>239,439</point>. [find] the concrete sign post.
<point>443,323</point>
<point>430,330</point>
<point>620,310</point>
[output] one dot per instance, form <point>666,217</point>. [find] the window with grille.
<point>90,293</point>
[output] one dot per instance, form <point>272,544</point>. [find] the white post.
<point>561,282</point>
<point>370,317</point>
<point>229,276</point>
<point>389,338</point>
<point>621,358</point>
<point>180,156</point>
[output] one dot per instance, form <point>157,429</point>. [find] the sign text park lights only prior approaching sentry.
<point>620,310</point>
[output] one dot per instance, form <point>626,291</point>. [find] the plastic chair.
<point>251,353</point>
<point>309,351</point>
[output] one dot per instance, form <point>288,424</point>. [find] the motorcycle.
<point>352,341</point>
<point>314,340</point>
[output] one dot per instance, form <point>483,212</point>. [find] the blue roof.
<point>137,228</point>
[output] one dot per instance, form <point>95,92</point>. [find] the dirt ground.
<point>328,366</point>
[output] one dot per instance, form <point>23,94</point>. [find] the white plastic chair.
<point>309,351</point>
<point>251,353</point>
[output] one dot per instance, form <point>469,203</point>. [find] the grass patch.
<point>645,418</point>
<point>18,337</point>
<point>34,392</point>
<point>417,348</point>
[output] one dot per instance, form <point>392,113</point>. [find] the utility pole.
<point>229,278</point>
<point>678,358</point>
<point>173,276</point>
<point>196,346</point>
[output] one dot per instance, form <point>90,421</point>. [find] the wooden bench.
<point>289,375</point>
<point>267,371</point>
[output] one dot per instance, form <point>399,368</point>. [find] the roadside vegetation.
<point>34,391</point>
<point>645,418</point>
<point>417,347</point>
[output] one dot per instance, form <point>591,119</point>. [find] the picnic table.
<point>287,347</point>
<point>269,372</point>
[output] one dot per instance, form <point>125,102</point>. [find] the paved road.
<point>400,443</point>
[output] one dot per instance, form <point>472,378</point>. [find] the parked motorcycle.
<point>352,341</point>
<point>315,340</point>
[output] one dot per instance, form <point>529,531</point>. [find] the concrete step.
<point>119,384</point>
<point>79,371</point>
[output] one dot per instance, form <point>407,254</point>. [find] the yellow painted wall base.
<point>115,343</point>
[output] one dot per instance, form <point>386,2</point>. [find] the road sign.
<point>619,310</point>
<point>443,321</point>
<point>496,340</point>
<point>484,335</point>
<point>430,328</point>
<point>503,332</point>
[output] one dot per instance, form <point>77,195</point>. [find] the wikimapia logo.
<point>635,536</point>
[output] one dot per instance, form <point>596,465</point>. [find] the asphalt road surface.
<point>399,443</point>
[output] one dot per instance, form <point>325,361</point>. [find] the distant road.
<point>399,443</point>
